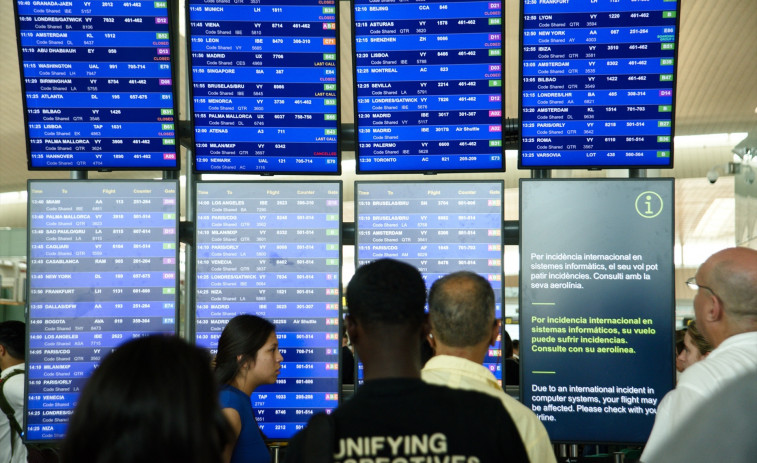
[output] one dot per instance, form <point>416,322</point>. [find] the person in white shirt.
<point>12,336</point>
<point>463,326</point>
<point>725,307</point>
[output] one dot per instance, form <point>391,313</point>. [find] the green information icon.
<point>649,204</point>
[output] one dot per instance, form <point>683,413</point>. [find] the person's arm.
<point>235,422</point>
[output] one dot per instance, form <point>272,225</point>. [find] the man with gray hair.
<point>463,326</point>
<point>725,307</point>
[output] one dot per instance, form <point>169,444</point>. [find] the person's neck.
<point>390,356</point>
<point>240,383</point>
<point>475,354</point>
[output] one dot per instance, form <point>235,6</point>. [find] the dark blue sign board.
<point>597,83</point>
<point>428,85</point>
<point>265,86</point>
<point>99,82</point>
<point>273,249</point>
<point>103,269</point>
<point>438,227</point>
<point>596,305</point>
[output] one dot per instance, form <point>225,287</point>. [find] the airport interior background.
<point>714,147</point>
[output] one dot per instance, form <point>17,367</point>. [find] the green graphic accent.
<point>668,46</point>
<point>495,83</point>
<point>649,204</point>
<point>166,126</point>
<point>329,56</point>
<point>495,143</point>
<point>543,372</point>
<point>160,4</point>
<point>666,77</point>
<point>663,139</point>
<point>666,62</point>
<point>329,87</point>
<point>668,14</point>
<point>329,132</point>
<point>664,124</point>
<point>332,216</point>
<point>663,154</point>
<point>169,290</point>
<point>329,101</point>
<point>161,36</point>
<point>169,216</point>
<point>332,247</point>
<point>169,141</point>
<point>495,21</point>
<point>166,112</point>
<point>495,52</point>
<point>332,232</point>
<point>329,10</point>
<point>543,303</point>
<point>169,245</point>
<point>329,117</point>
<point>332,261</point>
<point>664,108</point>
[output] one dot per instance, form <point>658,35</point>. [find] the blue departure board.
<point>428,78</point>
<point>438,227</point>
<point>264,84</point>
<point>102,270</point>
<point>98,84</point>
<point>597,83</point>
<point>273,249</point>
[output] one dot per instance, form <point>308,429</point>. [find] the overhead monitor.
<point>428,86</point>
<point>273,249</point>
<point>103,269</point>
<point>438,227</point>
<point>597,305</point>
<point>265,88</point>
<point>598,83</point>
<point>98,83</point>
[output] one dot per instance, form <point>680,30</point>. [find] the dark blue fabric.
<point>250,447</point>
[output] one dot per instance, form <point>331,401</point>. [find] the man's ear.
<point>496,328</point>
<point>715,311</point>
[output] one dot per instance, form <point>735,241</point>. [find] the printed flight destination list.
<point>98,84</point>
<point>598,81</point>
<point>438,227</point>
<point>264,84</point>
<point>102,270</point>
<point>428,78</point>
<point>273,249</point>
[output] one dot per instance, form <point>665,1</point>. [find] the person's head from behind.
<point>12,338</point>
<point>726,300</point>
<point>461,311</point>
<point>695,347</point>
<point>152,399</point>
<point>248,353</point>
<point>385,301</point>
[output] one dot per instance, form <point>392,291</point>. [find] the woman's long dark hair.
<point>243,336</point>
<point>152,399</point>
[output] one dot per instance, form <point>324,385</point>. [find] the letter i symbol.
<point>648,202</point>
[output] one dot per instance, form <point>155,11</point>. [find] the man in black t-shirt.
<point>395,417</point>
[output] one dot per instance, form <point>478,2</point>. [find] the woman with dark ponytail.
<point>248,356</point>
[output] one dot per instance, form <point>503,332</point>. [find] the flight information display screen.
<point>264,84</point>
<point>438,227</point>
<point>98,84</point>
<point>598,83</point>
<point>428,86</point>
<point>102,270</point>
<point>273,249</point>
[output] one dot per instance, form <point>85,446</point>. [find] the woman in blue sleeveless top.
<point>248,356</point>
